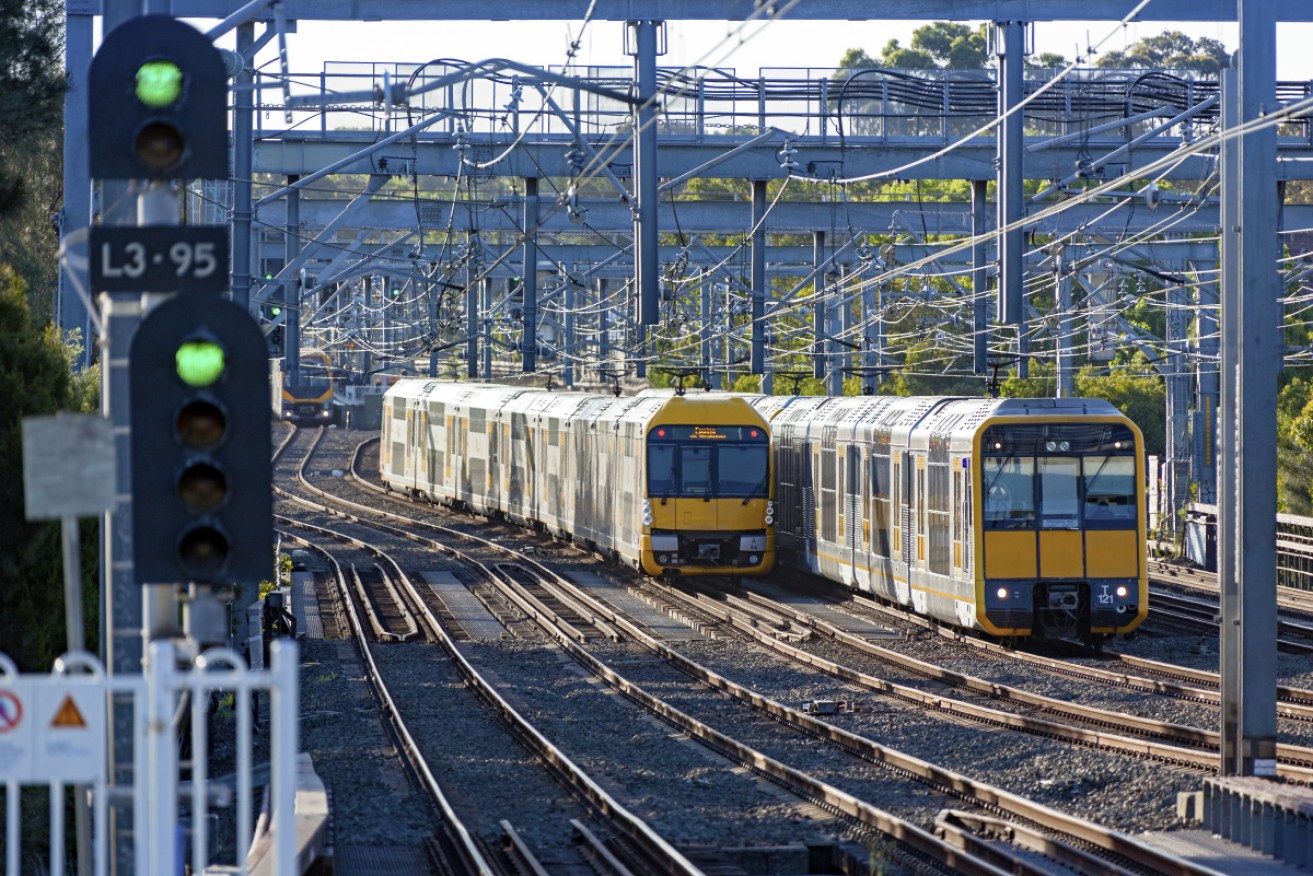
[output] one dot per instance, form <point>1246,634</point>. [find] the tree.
<point>940,45</point>
<point>31,94</point>
<point>34,380</point>
<point>1171,50</point>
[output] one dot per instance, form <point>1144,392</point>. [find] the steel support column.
<point>1065,332</point>
<point>1251,314</point>
<point>645,169</point>
<point>529,277</point>
<point>818,305</point>
<point>1011,37</point>
<point>292,287</point>
<point>979,276</point>
<point>71,309</point>
<point>758,279</point>
<point>243,213</point>
<point>1178,414</point>
<point>1204,467</point>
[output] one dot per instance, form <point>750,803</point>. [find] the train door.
<point>896,501</point>
<point>419,443</point>
<point>958,525</point>
<point>922,502</point>
<point>907,520</point>
<point>852,515</point>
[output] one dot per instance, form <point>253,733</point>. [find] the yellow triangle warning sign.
<point>68,715</point>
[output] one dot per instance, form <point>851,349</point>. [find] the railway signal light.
<point>202,507</point>
<point>158,103</point>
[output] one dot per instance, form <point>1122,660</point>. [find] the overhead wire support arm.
<point>400,94</point>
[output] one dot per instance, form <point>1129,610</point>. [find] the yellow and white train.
<point>670,484</point>
<point>1008,516</point>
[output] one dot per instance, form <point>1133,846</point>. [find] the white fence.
<point>54,730</point>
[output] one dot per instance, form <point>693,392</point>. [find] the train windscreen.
<point>708,462</point>
<point>1059,476</point>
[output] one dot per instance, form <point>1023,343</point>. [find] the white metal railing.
<point>74,752</point>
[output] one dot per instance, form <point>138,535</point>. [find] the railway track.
<point>795,719</point>
<point>462,849</point>
<point>1193,612</point>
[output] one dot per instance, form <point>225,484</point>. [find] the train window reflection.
<point>1059,496</point>
<point>1110,489</point>
<point>703,469</point>
<point>1009,499</point>
<point>661,469</point>
<point>741,470</point>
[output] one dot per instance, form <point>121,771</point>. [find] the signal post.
<point>187,392</point>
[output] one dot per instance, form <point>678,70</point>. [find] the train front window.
<point>1059,492</point>
<point>695,471</point>
<point>1009,497</point>
<point>708,462</point>
<point>661,469</point>
<point>741,470</point>
<point>1110,489</point>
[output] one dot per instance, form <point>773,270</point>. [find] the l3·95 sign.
<point>169,258</point>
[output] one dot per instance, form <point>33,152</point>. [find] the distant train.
<point>669,484</point>
<point>310,401</point>
<point>1009,516</point>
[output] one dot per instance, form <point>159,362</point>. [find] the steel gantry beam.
<point>736,10</point>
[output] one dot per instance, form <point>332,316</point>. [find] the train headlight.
<point>753,559</point>
<point>647,519</point>
<point>1002,593</point>
<point>663,559</point>
<point>1123,591</point>
<point>770,519</point>
<point>1064,446</point>
<point>1050,446</point>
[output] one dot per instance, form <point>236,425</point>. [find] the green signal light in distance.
<point>275,310</point>
<point>199,362</point>
<point>159,83</point>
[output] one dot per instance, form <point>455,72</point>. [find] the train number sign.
<point>182,258</point>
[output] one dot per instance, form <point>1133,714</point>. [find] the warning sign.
<point>11,711</point>
<point>68,715</point>
<point>52,729</point>
<point>16,737</point>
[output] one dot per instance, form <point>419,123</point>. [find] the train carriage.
<point>668,483</point>
<point>1009,516</point>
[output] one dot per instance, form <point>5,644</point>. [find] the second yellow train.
<point>669,484</point>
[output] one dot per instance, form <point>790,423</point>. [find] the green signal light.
<point>200,363</point>
<point>275,310</point>
<point>159,83</point>
<point>396,292</point>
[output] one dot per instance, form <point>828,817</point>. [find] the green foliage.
<point>1171,50</point>
<point>1046,61</point>
<point>34,380</point>
<point>31,104</point>
<point>1295,447</point>
<point>1137,392</point>
<point>940,45</point>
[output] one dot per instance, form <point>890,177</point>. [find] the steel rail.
<point>458,840</point>
<point>656,847</point>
